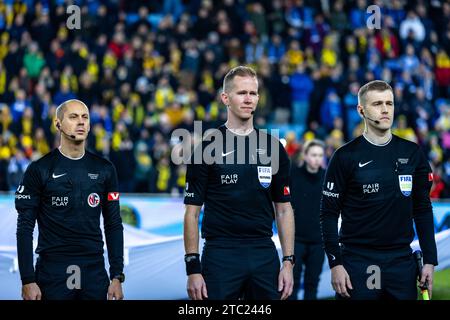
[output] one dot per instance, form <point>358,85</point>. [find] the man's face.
<point>379,106</point>
<point>314,157</point>
<point>242,97</point>
<point>76,121</point>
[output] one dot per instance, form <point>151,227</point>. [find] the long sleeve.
<point>330,208</point>
<point>422,209</point>
<point>196,180</point>
<point>27,199</point>
<point>113,223</point>
<point>280,183</point>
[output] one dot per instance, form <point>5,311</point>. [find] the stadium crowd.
<point>146,68</point>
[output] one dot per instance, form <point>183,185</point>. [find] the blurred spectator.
<point>301,86</point>
<point>33,61</point>
<point>276,49</point>
<point>298,15</point>
<point>292,146</point>
<point>123,158</point>
<point>409,61</point>
<point>351,116</point>
<point>163,176</point>
<point>331,109</point>
<point>387,43</point>
<point>397,12</point>
<point>317,33</point>
<point>19,105</point>
<point>412,30</point>
<point>403,130</point>
<point>63,94</point>
<point>338,18</point>
<point>16,168</point>
<point>144,168</point>
<point>358,15</point>
<point>443,72</point>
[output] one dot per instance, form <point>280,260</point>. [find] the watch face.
<point>120,277</point>
<point>291,259</point>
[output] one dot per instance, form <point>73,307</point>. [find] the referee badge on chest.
<point>265,176</point>
<point>405,181</point>
<point>93,200</point>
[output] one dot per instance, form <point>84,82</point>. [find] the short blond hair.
<point>375,85</point>
<point>241,71</point>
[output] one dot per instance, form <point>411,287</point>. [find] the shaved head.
<point>62,108</point>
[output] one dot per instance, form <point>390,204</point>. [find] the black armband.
<point>193,264</point>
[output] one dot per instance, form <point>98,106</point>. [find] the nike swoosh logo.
<point>59,175</point>
<point>363,164</point>
<point>332,257</point>
<point>225,154</point>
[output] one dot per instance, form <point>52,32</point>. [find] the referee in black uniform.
<point>306,188</point>
<point>239,259</point>
<point>65,192</point>
<point>379,184</point>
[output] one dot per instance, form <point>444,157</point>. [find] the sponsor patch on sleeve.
<point>113,196</point>
<point>286,191</point>
<point>430,176</point>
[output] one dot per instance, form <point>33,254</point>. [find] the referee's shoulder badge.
<point>113,196</point>
<point>265,176</point>
<point>406,182</point>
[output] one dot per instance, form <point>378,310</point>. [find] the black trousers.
<point>309,261</point>
<point>56,277</point>
<point>245,269</point>
<point>398,274</point>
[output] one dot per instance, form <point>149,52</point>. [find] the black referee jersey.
<point>378,190</point>
<point>66,197</point>
<point>238,188</point>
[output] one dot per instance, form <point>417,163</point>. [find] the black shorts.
<point>245,269</point>
<point>398,274</point>
<point>56,278</point>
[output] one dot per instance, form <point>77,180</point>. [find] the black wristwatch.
<point>120,277</point>
<point>291,259</point>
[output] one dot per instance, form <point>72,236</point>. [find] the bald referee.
<point>66,191</point>
<point>379,184</point>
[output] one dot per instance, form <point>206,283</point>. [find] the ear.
<point>224,98</point>
<point>57,124</point>
<point>360,109</point>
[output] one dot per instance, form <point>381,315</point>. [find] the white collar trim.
<point>59,148</point>
<point>378,145</point>
<point>239,134</point>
